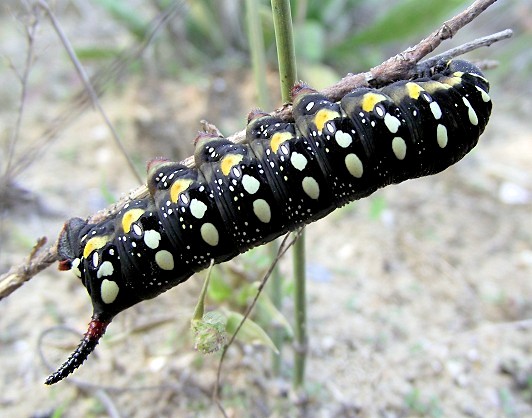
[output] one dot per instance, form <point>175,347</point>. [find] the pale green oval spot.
<point>354,165</point>
<point>164,259</point>
<point>441,136</point>
<point>399,147</point>
<point>262,210</point>
<point>109,291</point>
<point>209,233</point>
<point>311,187</point>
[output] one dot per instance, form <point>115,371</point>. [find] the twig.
<point>468,47</point>
<point>405,60</point>
<point>105,76</point>
<point>88,86</point>
<point>30,57</point>
<point>283,248</point>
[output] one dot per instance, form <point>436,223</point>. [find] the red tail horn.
<point>87,345</point>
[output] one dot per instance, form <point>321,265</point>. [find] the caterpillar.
<point>286,174</point>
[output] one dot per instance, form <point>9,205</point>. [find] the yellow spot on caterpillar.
<point>434,86</point>
<point>451,81</point>
<point>179,187</point>
<point>229,161</point>
<point>95,243</point>
<point>413,90</point>
<point>369,100</point>
<point>323,116</point>
<point>129,217</point>
<point>278,138</point>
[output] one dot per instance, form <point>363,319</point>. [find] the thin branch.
<point>80,102</point>
<point>88,86</point>
<point>283,248</point>
<point>24,78</point>
<point>391,70</point>
<point>468,47</point>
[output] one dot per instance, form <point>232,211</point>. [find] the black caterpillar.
<point>283,176</point>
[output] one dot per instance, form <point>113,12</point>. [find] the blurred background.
<point>420,297</point>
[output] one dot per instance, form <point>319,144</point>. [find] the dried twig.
<point>283,248</point>
<point>397,67</point>
<point>88,85</point>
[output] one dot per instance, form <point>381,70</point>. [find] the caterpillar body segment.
<point>285,175</point>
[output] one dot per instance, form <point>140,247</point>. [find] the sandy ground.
<point>419,298</point>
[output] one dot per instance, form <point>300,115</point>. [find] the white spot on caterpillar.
<point>262,210</point>
<point>392,123</point>
<point>137,230</point>
<point>197,208</point>
<point>399,147</point>
<point>309,106</point>
<point>152,239</point>
<point>164,259</point>
<point>471,112</point>
<point>109,291</point>
<point>95,259</point>
<point>379,110</point>
<point>436,110</point>
<point>299,161</point>
<point>343,139</point>
<point>311,187</point>
<point>106,269</point>
<point>441,135</point>
<point>75,267</point>
<point>209,233</point>
<point>251,184</point>
<point>354,165</point>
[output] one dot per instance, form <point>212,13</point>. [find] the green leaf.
<point>270,311</point>
<point>122,12</point>
<point>250,332</point>
<point>219,290</point>
<point>96,53</point>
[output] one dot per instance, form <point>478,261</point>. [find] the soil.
<point>419,297</point>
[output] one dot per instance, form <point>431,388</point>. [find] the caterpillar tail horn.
<point>90,340</point>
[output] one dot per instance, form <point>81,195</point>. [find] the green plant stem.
<point>258,62</point>
<point>300,303</point>
<point>282,21</point>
